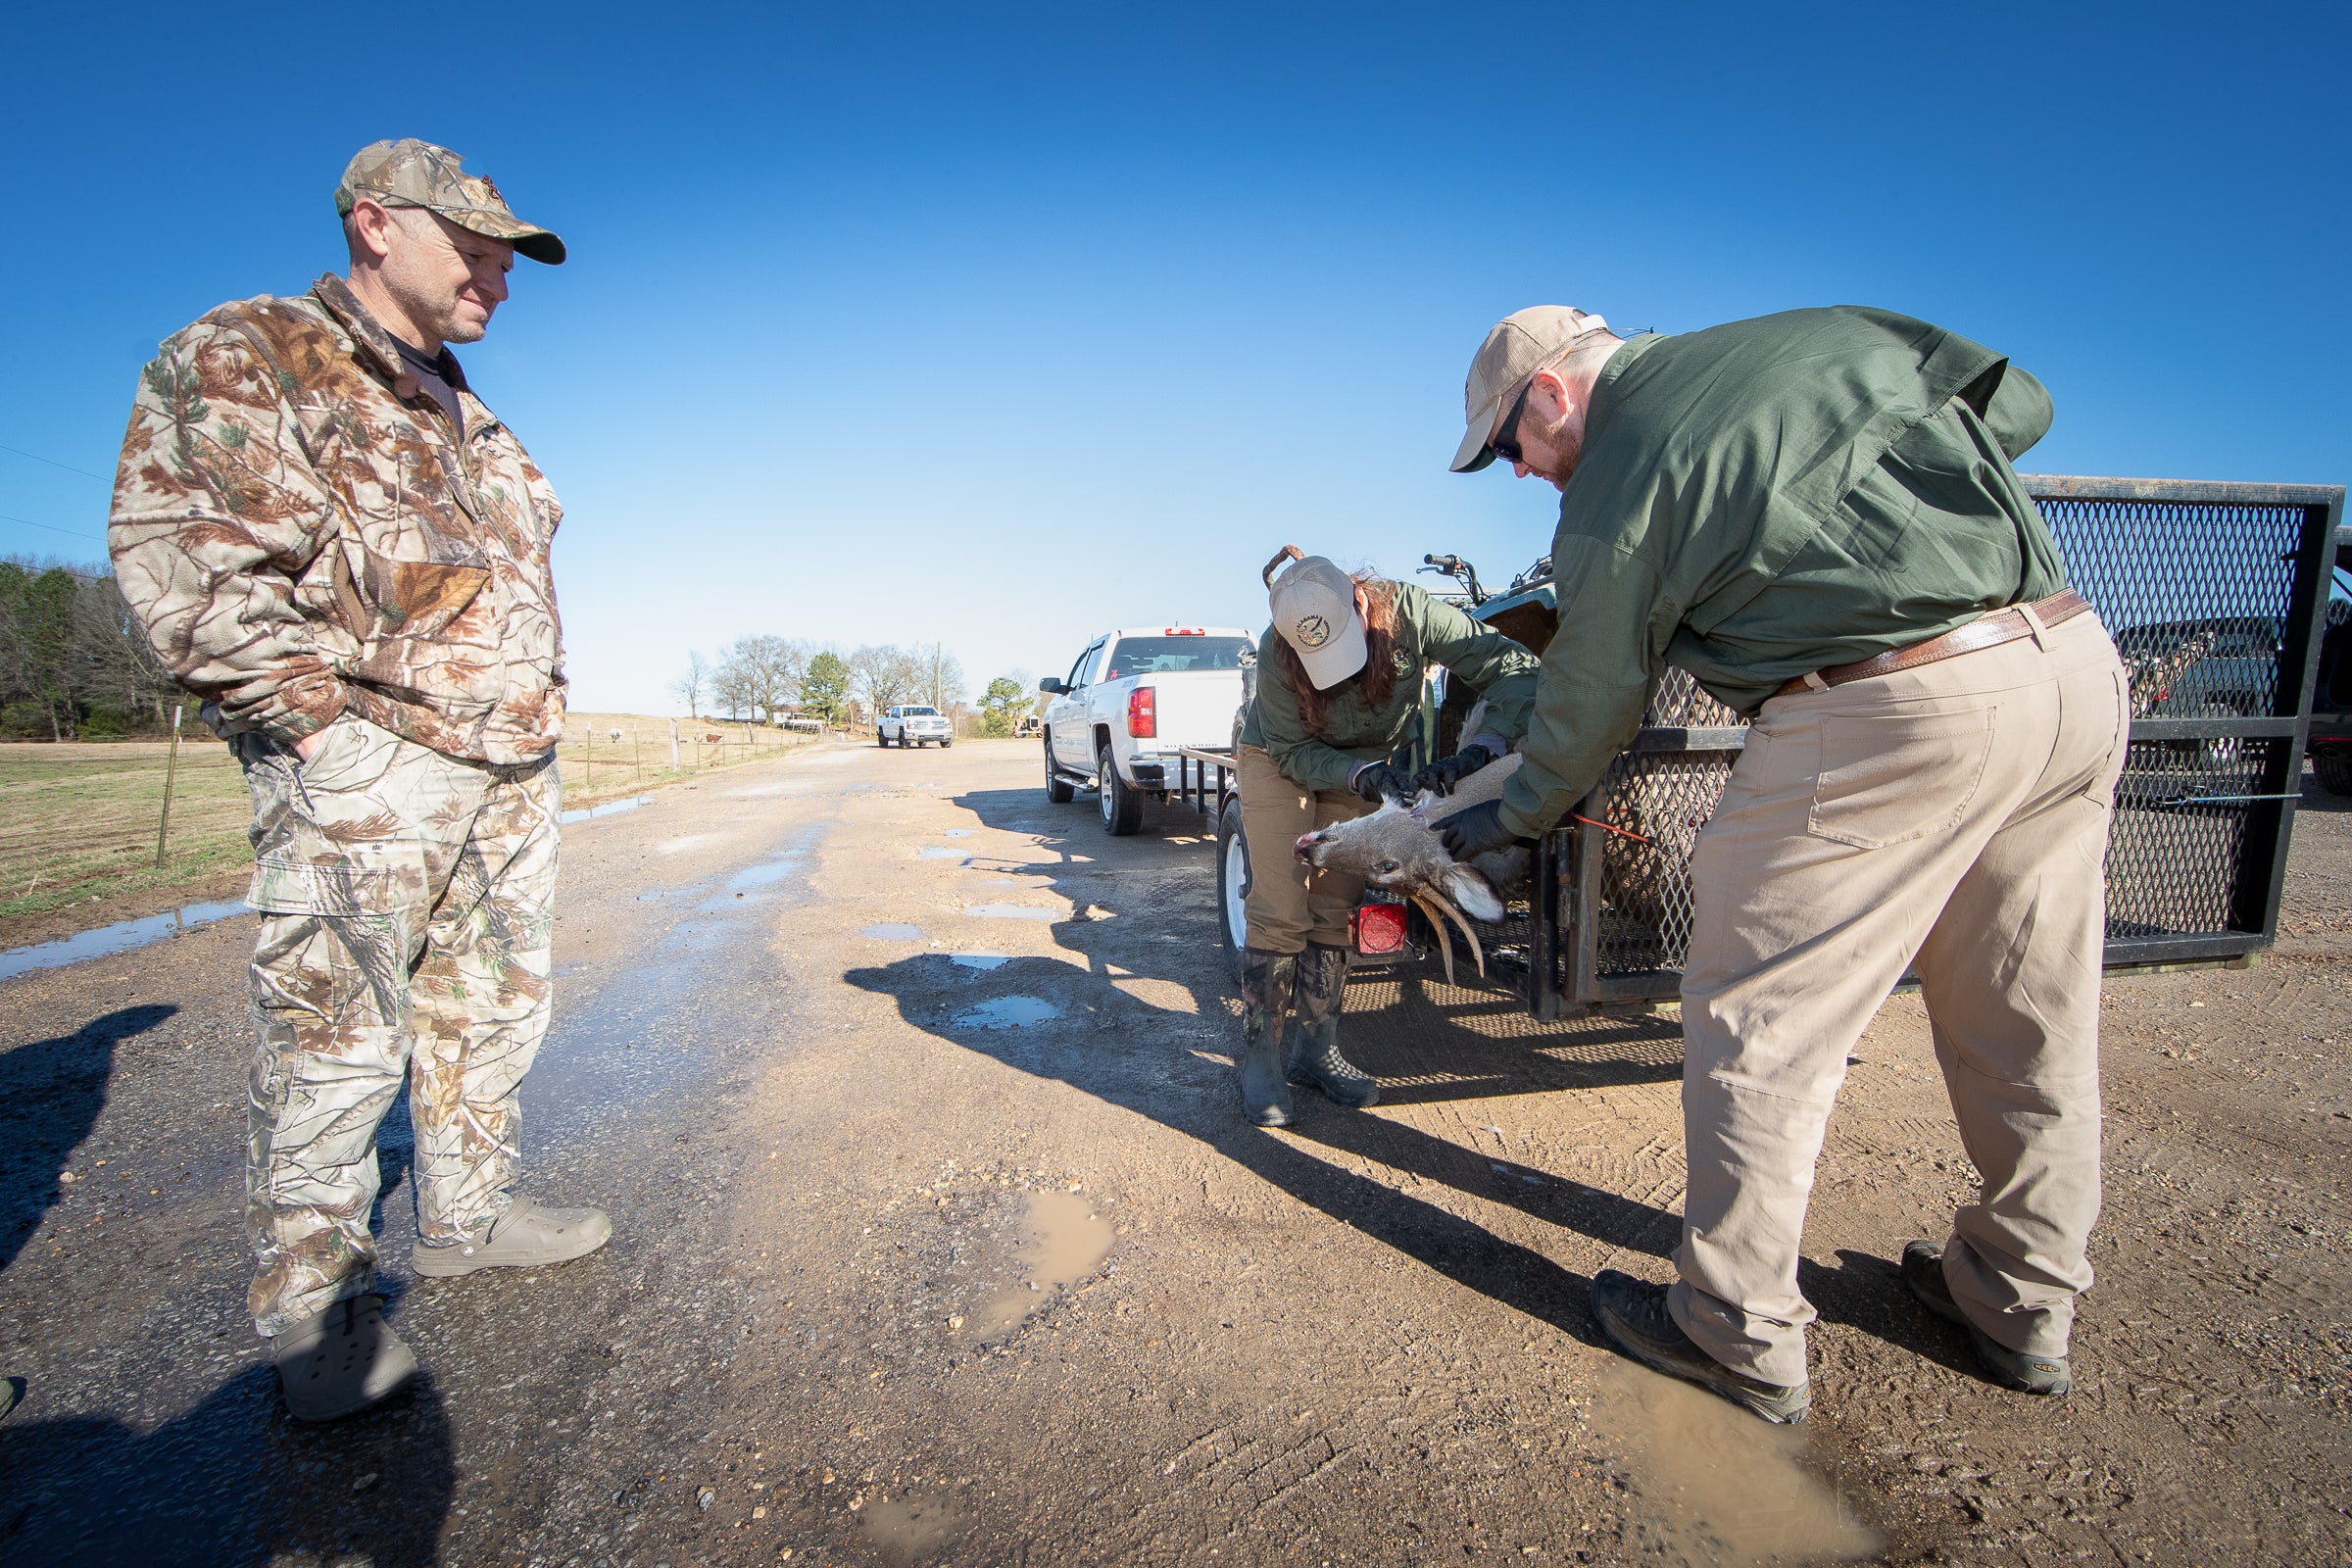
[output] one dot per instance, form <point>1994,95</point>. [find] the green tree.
<point>1002,704</point>
<point>824,686</point>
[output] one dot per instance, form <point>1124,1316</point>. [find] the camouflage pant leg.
<point>480,1000</point>
<point>351,851</point>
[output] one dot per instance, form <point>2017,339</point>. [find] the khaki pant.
<point>1288,905</point>
<point>407,912</point>
<point>1952,816</point>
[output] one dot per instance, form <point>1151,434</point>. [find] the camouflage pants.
<point>406,911</point>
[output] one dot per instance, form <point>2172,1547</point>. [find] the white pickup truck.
<point>1132,699</point>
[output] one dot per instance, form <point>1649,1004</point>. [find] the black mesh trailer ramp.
<point>2218,597</point>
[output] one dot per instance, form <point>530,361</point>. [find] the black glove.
<point>1375,781</point>
<point>1475,831</point>
<point>1446,773</point>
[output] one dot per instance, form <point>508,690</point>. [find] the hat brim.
<point>540,245</point>
<point>1338,659</point>
<point>1474,453</point>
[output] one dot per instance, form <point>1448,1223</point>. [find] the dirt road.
<point>938,1239</point>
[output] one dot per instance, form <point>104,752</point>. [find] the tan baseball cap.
<point>1314,611</point>
<point>1513,353</point>
<point>409,173</point>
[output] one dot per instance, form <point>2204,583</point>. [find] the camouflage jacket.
<point>301,532</point>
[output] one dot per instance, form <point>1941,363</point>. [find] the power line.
<point>54,464</point>
<point>53,528</point>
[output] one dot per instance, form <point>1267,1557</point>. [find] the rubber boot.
<point>1315,1062</point>
<point>1267,981</point>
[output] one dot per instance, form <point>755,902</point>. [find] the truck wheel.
<point>944,745</point>
<point>1122,808</point>
<point>2334,769</point>
<point>1057,788</point>
<point>1233,885</point>
<point>881,739</point>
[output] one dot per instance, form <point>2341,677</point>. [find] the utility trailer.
<point>2219,597</point>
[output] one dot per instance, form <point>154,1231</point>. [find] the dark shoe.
<point>11,1393</point>
<point>1314,1060</point>
<point>341,1362</point>
<point>1632,1316</point>
<point>1923,1275</point>
<point>526,1236</point>
<point>1268,980</point>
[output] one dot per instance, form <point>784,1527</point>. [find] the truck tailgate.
<point>1195,707</point>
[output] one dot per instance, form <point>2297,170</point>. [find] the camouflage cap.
<point>409,173</point>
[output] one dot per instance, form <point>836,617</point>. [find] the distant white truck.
<point>1129,702</point>
<point>913,724</point>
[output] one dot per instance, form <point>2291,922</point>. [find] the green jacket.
<point>1428,631</point>
<point>1769,497</point>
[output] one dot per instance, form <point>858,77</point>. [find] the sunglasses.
<point>1506,434</point>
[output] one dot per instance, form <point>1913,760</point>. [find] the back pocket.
<point>1893,778</point>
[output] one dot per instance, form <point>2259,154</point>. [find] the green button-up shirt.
<point>1429,631</point>
<point>1769,497</point>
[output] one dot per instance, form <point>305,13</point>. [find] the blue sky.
<point>1002,325</point>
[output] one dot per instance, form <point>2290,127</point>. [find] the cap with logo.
<point>1314,611</point>
<point>1511,355</point>
<point>409,173</point>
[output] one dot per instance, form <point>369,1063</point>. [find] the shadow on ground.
<point>51,1092</point>
<point>233,1481</point>
<point>1146,1026</point>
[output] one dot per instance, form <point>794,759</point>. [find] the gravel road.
<point>938,1241</point>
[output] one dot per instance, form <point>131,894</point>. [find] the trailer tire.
<point>1122,808</point>
<point>1057,788</point>
<point>1233,885</point>
<point>2334,767</point>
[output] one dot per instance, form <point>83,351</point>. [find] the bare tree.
<point>886,676</point>
<point>941,681</point>
<point>761,675</point>
<point>691,685</point>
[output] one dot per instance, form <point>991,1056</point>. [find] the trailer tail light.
<point>1378,930</point>
<point>1143,715</point>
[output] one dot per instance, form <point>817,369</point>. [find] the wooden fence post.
<point>162,829</point>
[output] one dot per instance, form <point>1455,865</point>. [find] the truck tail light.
<point>1143,714</point>
<point>1379,929</point>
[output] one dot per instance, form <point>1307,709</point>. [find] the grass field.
<point>77,821</point>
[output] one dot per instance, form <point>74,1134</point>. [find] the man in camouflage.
<point>336,545</point>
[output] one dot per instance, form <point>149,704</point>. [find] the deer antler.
<point>1468,935</point>
<point>1437,923</point>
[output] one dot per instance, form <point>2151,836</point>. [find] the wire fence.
<point>81,823</point>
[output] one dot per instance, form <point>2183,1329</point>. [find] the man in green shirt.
<point>1815,515</point>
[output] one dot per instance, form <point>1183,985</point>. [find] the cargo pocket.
<point>415,598</point>
<point>1890,779</point>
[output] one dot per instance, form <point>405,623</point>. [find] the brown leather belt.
<point>1986,631</point>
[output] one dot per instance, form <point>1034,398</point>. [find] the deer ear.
<point>1471,894</point>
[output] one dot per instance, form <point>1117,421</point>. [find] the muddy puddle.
<point>589,813</point>
<point>120,937</point>
<point>1714,1485</point>
<point>1012,912</point>
<point>1006,1013</point>
<point>958,833</point>
<point>940,852</point>
<point>761,873</point>
<point>1061,1241</point>
<point>909,1529</point>
<point>979,960</point>
<point>892,931</point>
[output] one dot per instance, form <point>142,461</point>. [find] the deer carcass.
<point>1397,848</point>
